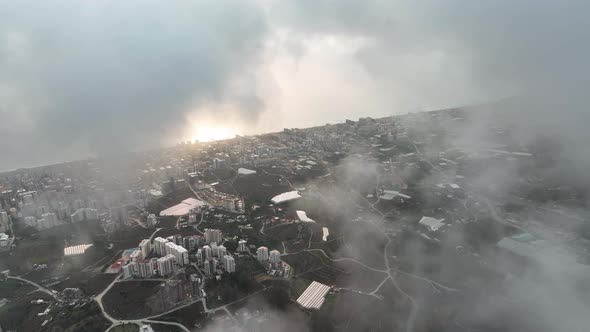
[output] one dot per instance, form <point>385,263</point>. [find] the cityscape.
<point>294,166</point>
<point>361,213</point>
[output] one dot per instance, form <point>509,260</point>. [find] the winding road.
<point>39,287</point>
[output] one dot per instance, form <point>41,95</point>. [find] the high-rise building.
<point>275,256</point>
<point>146,247</point>
<point>242,247</point>
<point>4,222</point>
<point>195,282</point>
<point>194,241</point>
<point>135,255</point>
<point>221,251</point>
<point>214,249</point>
<point>166,265</point>
<point>145,268</point>
<point>207,252</point>
<point>127,271</point>
<point>178,239</point>
<point>50,219</point>
<point>160,246</point>
<point>207,267</point>
<point>199,255</point>
<point>212,235</point>
<point>31,221</point>
<point>229,264</point>
<point>170,247</point>
<point>214,262</point>
<point>262,254</point>
<point>181,255</point>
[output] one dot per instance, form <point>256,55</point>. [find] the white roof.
<point>326,233</point>
<point>387,196</point>
<point>182,208</point>
<point>285,197</point>
<point>432,223</point>
<point>454,186</point>
<point>245,171</point>
<point>303,216</point>
<point>313,296</point>
<point>76,250</point>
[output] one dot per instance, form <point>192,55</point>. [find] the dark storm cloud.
<point>79,77</point>
<point>457,51</point>
<point>432,54</point>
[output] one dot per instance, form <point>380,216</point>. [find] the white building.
<point>207,252</point>
<point>199,257</point>
<point>170,247</point>
<point>166,265</point>
<point>285,197</point>
<point>152,220</point>
<point>4,222</point>
<point>313,297</point>
<point>135,255</point>
<point>145,246</point>
<point>221,251</point>
<point>262,254</point>
<point>179,253</point>
<point>214,249</point>
<point>128,271</point>
<point>208,267</point>
<point>242,247</point>
<point>160,246</point>
<point>431,224</point>
<point>275,256</point>
<point>76,250</point>
<point>146,328</point>
<point>192,218</point>
<point>212,235</point>
<point>50,220</point>
<point>3,240</point>
<point>145,268</point>
<point>229,264</point>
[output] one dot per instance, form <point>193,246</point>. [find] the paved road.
<point>152,319</point>
<point>154,233</point>
<point>98,299</point>
<point>39,287</point>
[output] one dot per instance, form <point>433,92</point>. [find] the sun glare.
<point>211,133</point>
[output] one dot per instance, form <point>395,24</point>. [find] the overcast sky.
<point>81,78</point>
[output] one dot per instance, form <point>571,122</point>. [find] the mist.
<point>78,78</point>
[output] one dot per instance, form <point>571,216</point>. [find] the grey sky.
<point>84,77</point>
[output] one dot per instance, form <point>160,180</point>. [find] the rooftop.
<point>313,297</point>
<point>285,197</point>
<point>76,250</point>
<point>182,208</point>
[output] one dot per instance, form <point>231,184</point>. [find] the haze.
<point>78,78</point>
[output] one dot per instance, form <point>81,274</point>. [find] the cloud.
<point>98,74</point>
<point>79,77</point>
